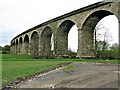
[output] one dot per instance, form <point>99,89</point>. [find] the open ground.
<point>79,74</point>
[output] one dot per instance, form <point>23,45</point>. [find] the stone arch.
<point>46,42</point>
<point>61,40</point>
<point>34,44</point>
<point>17,47</point>
<point>26,44</point>
<point>20,45</point>
<point>86,44</point>
<point>12,47</point>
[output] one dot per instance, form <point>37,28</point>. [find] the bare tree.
<point>101,38</point>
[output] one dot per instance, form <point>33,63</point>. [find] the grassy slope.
<point>16,66</point>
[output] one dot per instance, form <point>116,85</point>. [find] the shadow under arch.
<point>34,47</point>
<point>26,44</point>
<point>17,48</point>
<point>12,48</point>
<point>61,39</point>
<point>20,45</point>
<point>86,48</point>
<point>45,42</point>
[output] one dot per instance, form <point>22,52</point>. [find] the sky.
<point>17,16</point>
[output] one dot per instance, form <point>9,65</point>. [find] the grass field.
<point>21,66</point>
<point>14,66</point>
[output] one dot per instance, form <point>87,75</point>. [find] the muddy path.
<point>82,75</point>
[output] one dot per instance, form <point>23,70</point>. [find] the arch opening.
<point>20,45</point>
<point>17,48</point>
<point>73,39</point>
<point>87,46</point>
<point>106,37</point>
<point>26,44</point>
<point>35,44</point>
<point>62,37</point>
<point>13,49</point>
<point>47,42</point>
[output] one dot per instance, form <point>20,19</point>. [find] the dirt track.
<point>84,75</point>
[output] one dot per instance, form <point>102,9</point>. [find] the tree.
<point>114,47</point>
<point>71,53</point>
<point>1,49</point>
<point>101,39</point>
<point>102,45</point>
<point>6,49</point>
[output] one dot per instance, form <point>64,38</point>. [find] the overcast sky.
<point>17,16</point>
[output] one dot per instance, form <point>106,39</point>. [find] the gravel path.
<point>83,75</point>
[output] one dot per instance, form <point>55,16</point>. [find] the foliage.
<point>102,45</point>
<point>72,54</point>
<point>110,53</point>
<point>6,49</point>
<point>15,57</point>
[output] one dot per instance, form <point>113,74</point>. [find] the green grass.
<point>15,57</point>
<point>21,66</point>
<point>15,67</point>
<point>69,67</point>
<point>99,61</point>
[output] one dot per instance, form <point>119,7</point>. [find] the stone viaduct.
<point>37,40</point>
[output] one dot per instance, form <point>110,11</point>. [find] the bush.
<point>107,54</point>
<point>72,54</point>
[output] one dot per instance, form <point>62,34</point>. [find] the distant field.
<point>21,66</point>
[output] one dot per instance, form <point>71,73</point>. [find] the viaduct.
<point>37,40</point>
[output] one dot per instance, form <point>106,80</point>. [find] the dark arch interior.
<point>16,41</point>
<point>13,49</point>
<point>34,35</point>
<point>34,44</point>
<point>13,43</point>
<point>20,45</point>
<point>20,41</point>
<point>46,41</point>
<point>94,18</point>
<point>26,39</point>
<point>88,30</point>
<point>62,37</point>
<point>47,32</point>
<point>26,44</point>
<point>17,46</point>
<point>66,26</point>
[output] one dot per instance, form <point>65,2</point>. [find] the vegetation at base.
<point>106,51</point>
<point>21,66</point>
